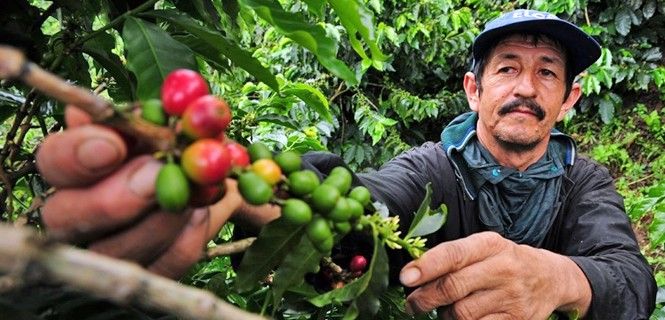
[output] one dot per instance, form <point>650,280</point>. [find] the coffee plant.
<point>365,79</point>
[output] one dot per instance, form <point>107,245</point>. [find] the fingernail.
<point>142,181</point>
<point>98,153</point>
<point>409,276</point>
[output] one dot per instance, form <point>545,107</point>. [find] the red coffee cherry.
<point>238,153</point>
<point>206,117</point>
<point>206,161</point>
<point>180,88</point>
<point>202,196</point>
<point>358,263</point>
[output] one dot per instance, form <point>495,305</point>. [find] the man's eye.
<point>505,69</point>
<point>548,73</point>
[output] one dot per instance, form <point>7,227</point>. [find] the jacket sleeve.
<point>597,235</point>
<point>401,182</point>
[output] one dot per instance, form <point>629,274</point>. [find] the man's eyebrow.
<point>507,56</point>
<point>547,58</point>
<point>551,59</point>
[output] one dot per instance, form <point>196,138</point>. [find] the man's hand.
<point>485,276</point>
<point>107,201</point>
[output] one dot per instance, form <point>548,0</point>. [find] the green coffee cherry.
<point>254,189</point>
<point>152,111</point>
<point>172,188</point>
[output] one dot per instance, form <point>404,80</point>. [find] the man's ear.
<point>569,103</point>
<point>471,90</point>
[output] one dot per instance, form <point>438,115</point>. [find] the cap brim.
<point>582,48</point>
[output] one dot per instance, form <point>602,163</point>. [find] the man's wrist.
<point>574,290</point>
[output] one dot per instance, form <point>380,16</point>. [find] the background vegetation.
<point>366,79</point>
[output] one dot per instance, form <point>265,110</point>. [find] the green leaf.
<point>352,312</point>
<point>368,303</point>
<point>304,145</point>
<point>358,20</point>
<point>237,55</point>
<point>302,259</point>
<point>375,280</point>
<point>658,76</point>
<point>8,107</point>
<point>274,242</point>
<point>315,6</point>
<point>75,68</point>
<point>203,10</point>
<point>205,50</point>
<point>426,220</point>
<point>312,37</point>
<point>642,207</point>
<point>349,154</point>
<point>649,9</point>
<point>231,8</point>
<point>280,120</point>
<point>657,229</point>
<point>623,21</point>
<point>606,109</point>
<point>303,290</point>
<point>152,54</point>
<point>100,49</point>
<point>312,97</point>
<point>605,77</point>
<point>590,84</point>
<point>653,55</point>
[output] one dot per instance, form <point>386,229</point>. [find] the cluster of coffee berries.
<point>325,207</point>
<point>193,176</point>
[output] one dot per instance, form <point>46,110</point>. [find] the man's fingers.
<point>453,287</point>
<point>479,304</point>
<point>80,156</point>
<point>107,205</point>
<point>75,117</point>
<point>222,210</point>
<point>451,256</point>
<point>144,241</point>
<point>187,248</point>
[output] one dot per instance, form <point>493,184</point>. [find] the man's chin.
<point>517,145</point>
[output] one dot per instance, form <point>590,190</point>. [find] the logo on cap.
<point>532,14</point>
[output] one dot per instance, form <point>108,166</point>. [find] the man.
<point>532,227</point>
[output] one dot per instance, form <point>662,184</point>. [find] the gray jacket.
<point>591,226</point>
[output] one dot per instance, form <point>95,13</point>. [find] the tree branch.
<point>230,248</point>
<point>23,253</point>
<point>149,138</point>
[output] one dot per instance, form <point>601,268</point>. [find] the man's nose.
<point>525,86</point>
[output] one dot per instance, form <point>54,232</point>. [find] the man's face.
<point>522,96</point>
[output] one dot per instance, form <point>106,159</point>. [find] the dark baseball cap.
<point>582,49</point>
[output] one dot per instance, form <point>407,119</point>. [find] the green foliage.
<point>274,242</point>
<point>215,48</point>
<point>152,54</point>
<point>366,79</point>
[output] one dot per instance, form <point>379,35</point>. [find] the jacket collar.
<point>461,130</point>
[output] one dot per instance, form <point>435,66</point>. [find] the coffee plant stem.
<point>149,138</point>
<point>30,258</point>
<point>116,22</point>
<point>230,248</point>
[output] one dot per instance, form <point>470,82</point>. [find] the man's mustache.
<point>529,103</point>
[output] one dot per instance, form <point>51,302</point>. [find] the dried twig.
<point>23,253</point>
<point>230,248</point>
